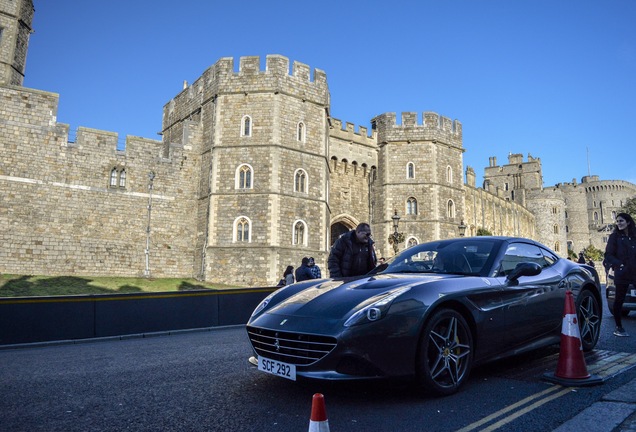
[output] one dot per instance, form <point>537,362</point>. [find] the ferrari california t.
<point>432,312</point>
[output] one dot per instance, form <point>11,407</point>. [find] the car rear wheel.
<point>588,311</point>
<point>446,352</point>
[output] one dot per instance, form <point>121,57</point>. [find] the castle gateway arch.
<point>340,225</point>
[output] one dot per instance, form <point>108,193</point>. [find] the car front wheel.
<point>446,352</point>
<point>588,311</point>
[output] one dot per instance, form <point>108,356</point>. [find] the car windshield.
<point>457,256</point>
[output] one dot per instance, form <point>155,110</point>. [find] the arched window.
<point>243,177</point>
<point>299,236</point>
<point>451,209</point>
<point>411,241</point>
<point>113,177</point>
<point>246,126</point>
<point>557,247</point>
<point>555,228</point>
<point>242,230</point>
<point>411,206</point>
<point>449,174</point>
<point>410,170</point>
<point>595,216</point>
<point>122,179</point>
<point>300,132</point>
<point>300,181</point>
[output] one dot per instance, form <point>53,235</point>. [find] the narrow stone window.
<point>410,170</point>
<point>300,133</point>
<point>242,231</point>
<point>246,126</point>
<point>243,177</point>
<point>299,237</point>
<point>411,206</point>
<point>449,174</point>
<point>300,181</point>
<point>555,228</point>
<point>113,177</point>
<point>451,209</point>
<point>122,179</point>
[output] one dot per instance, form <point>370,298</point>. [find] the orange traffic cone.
<point>571,369</point>
<point>318,421</point>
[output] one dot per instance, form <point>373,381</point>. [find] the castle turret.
<point>419,177</point>
<point>16,17</point>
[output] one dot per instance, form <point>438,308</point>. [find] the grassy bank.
<point>33,286</point>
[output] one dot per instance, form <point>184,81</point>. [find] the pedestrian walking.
<point>620,254</point>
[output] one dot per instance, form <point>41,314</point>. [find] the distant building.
<point>253,173</point>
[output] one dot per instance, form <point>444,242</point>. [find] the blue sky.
<point>553,78</point>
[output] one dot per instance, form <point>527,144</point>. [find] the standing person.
<point>620,254</point>
<point>289,275</point>
<point>353,253</point>
<point>581,258</point>
<point>315,270</point>
<point>304,272</point>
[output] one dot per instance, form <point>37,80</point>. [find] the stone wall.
<point>60,214</point>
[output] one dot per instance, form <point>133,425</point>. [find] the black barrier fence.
<point>44,319</point>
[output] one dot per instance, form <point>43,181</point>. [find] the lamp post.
<point>151,178</point>
<point>396,234</point>
<point>462,228</point>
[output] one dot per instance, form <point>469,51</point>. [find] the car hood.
<point>336,298</point>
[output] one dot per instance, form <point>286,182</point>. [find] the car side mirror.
<point>523,269</point>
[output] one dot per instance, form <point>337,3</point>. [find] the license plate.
<point>277,368</point>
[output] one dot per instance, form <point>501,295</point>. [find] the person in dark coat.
<point>581,258</point>
<point>304,272</point>
<point>620,254</point>
<point>353,253</point>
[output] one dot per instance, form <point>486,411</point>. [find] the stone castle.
<point>253,173</point>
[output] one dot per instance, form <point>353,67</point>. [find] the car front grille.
<point>295,348</point>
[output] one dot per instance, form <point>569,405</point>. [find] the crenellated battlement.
<point>222,79</point>
<point>432,127</point>
<point>275,65</point>
<point>348,131</point>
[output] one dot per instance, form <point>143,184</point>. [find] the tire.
<point>446,353</point>
<point>588,311</point>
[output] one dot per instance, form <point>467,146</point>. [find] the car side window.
<point>521,252</point>
<point>549,257</point>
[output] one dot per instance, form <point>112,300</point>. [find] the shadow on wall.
<point>30,286</point>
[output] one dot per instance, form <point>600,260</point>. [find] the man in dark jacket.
<point>304,272</point>
<point>353,253</point>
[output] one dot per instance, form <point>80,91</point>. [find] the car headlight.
<point>375,310</point>
<point>263,304</point>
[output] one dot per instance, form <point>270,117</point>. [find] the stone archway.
<point>340,225</point>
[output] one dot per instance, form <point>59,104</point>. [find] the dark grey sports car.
<point>432,312</point>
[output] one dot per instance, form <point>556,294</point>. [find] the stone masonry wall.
<point>58,212</point>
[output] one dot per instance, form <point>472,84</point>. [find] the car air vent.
<point>296,348</point>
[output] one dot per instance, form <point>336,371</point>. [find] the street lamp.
<point>151,178</point>
<point>396,234</point>
<point>462,228</point>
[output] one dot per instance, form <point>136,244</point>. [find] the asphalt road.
<point>201,381</point>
